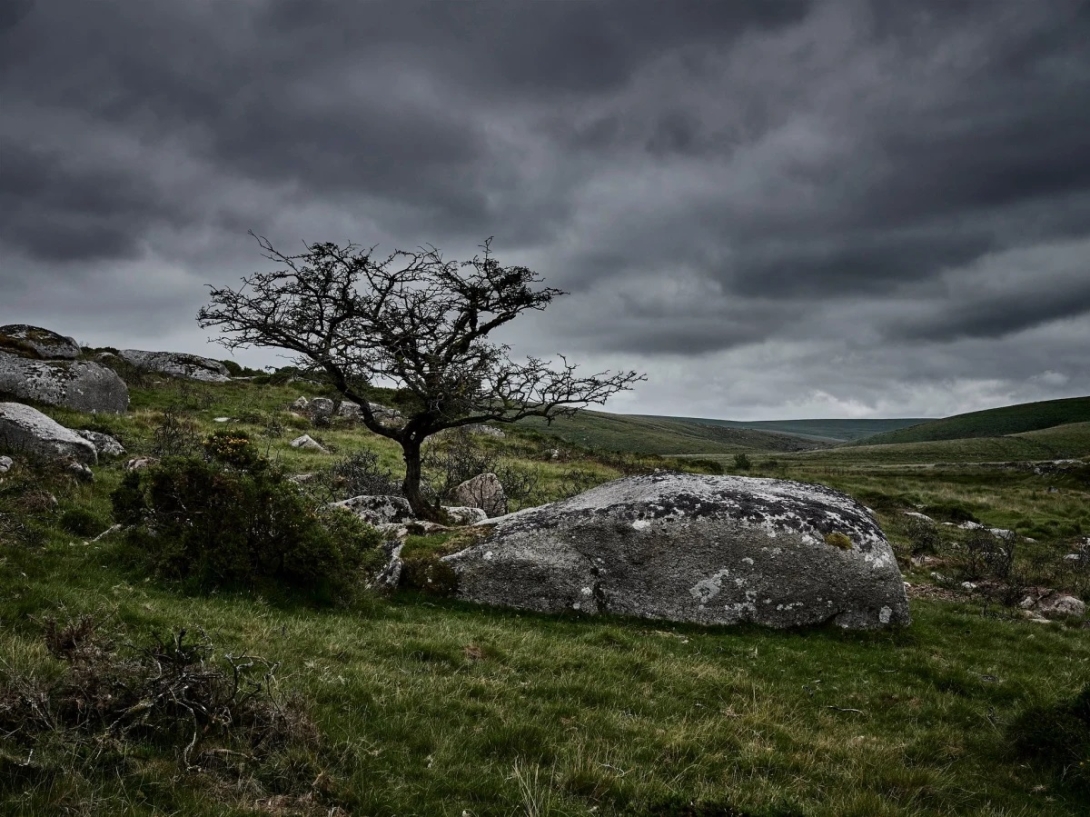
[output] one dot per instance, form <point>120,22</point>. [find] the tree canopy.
<point>413,321</point>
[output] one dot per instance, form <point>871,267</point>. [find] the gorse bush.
<point>232,519</point>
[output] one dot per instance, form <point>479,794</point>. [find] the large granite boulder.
<point>177,364</point>
<point>76,384</point>
<point>26,429</point>
<point>34,342</point>
<point>695,548</point>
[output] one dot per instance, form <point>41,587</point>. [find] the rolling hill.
<point>665,435</point>
<point>996,422</point>
<point>825,430</point>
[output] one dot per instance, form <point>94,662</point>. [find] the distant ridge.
<point>668,435</point>
<point>834,431</point>
<point>997,422</point>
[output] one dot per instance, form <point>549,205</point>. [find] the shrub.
<point>114,707</point>
<point>706,466</point>
<point>742,462</point>
<point>232,519</point>
<point>924,535</point>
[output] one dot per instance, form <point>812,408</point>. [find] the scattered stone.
<point>221,419</point>
<point>177,364</point>
<point>970,526</point>
<point>34,342</point>
<point>320,408</point>
<point>1061,605</point>
<point>5,464</point>
<point>466,515</point>
<point>300,404</point>
<point>76,384</point>
<point>918,515</point>
<point>140,463</point>
<point>483,491</point>
<point>104,444</point>
<point>968,586</point>
<point>692,547</point>
<point>299,479</point>
<point>378,510</point>
<point>390,576</point>
<point>23,428</point>
<point>307,443</point>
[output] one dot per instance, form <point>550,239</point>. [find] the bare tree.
<point>421,325</point>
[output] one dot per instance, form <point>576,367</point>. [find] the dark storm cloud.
<point>774,183</point>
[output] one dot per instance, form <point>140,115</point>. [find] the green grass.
<point>432,707</point>
<point>991,422</point>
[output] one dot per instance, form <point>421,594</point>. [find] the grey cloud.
<point>814,174</point>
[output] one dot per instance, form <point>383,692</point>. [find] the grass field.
<point>426,706</point>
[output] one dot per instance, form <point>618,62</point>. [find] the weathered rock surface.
<point>465,515</point>
<point>104,444</point>
<point>5,464</point>
<point>23,428</point>
<point>76,384</point>
<point>378,510</point>
<point>484,491</point>
<point>34,342</point>
<point>307,443</point>
<point>696,548</point>
<point>177,364</point>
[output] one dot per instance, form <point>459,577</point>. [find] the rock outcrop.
<point>484,491</point>
<point>76,384</point>
<point>38,343</point>
<point>695,548</point>
<point>26,429</point>
<point>378,510</point>
<point>177,364</point>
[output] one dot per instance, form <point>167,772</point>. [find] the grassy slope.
<point>991,423</point>
<point>830,430</point>
<point>664,435</point>
<point>1070,441</point>
<point>433,707</point>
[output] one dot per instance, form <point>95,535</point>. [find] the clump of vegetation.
<point>230,518</point>
<point>1057,737</point>
<point>706,466</point>
<point>924,536</point>
<point>112,708</point>
<point>742,462</point>
<point>838,540</point>
<point>82,522</point>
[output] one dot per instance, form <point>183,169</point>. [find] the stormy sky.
<point>776,209</point>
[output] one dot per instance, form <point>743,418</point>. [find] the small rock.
<point>466,515</point>
<point>140,463</point>
<point>221,419</point>
<point>970,586</point>
<point>1073,557</point>
<point>483,491</point>
<point>300,404</point>
<point>970,526</point>
<point>5,464</point>
<point>320,408</point>
<point>918,515</point>
<point>104,444</point>
<point>307,443</point>
<point>1061,605</point>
